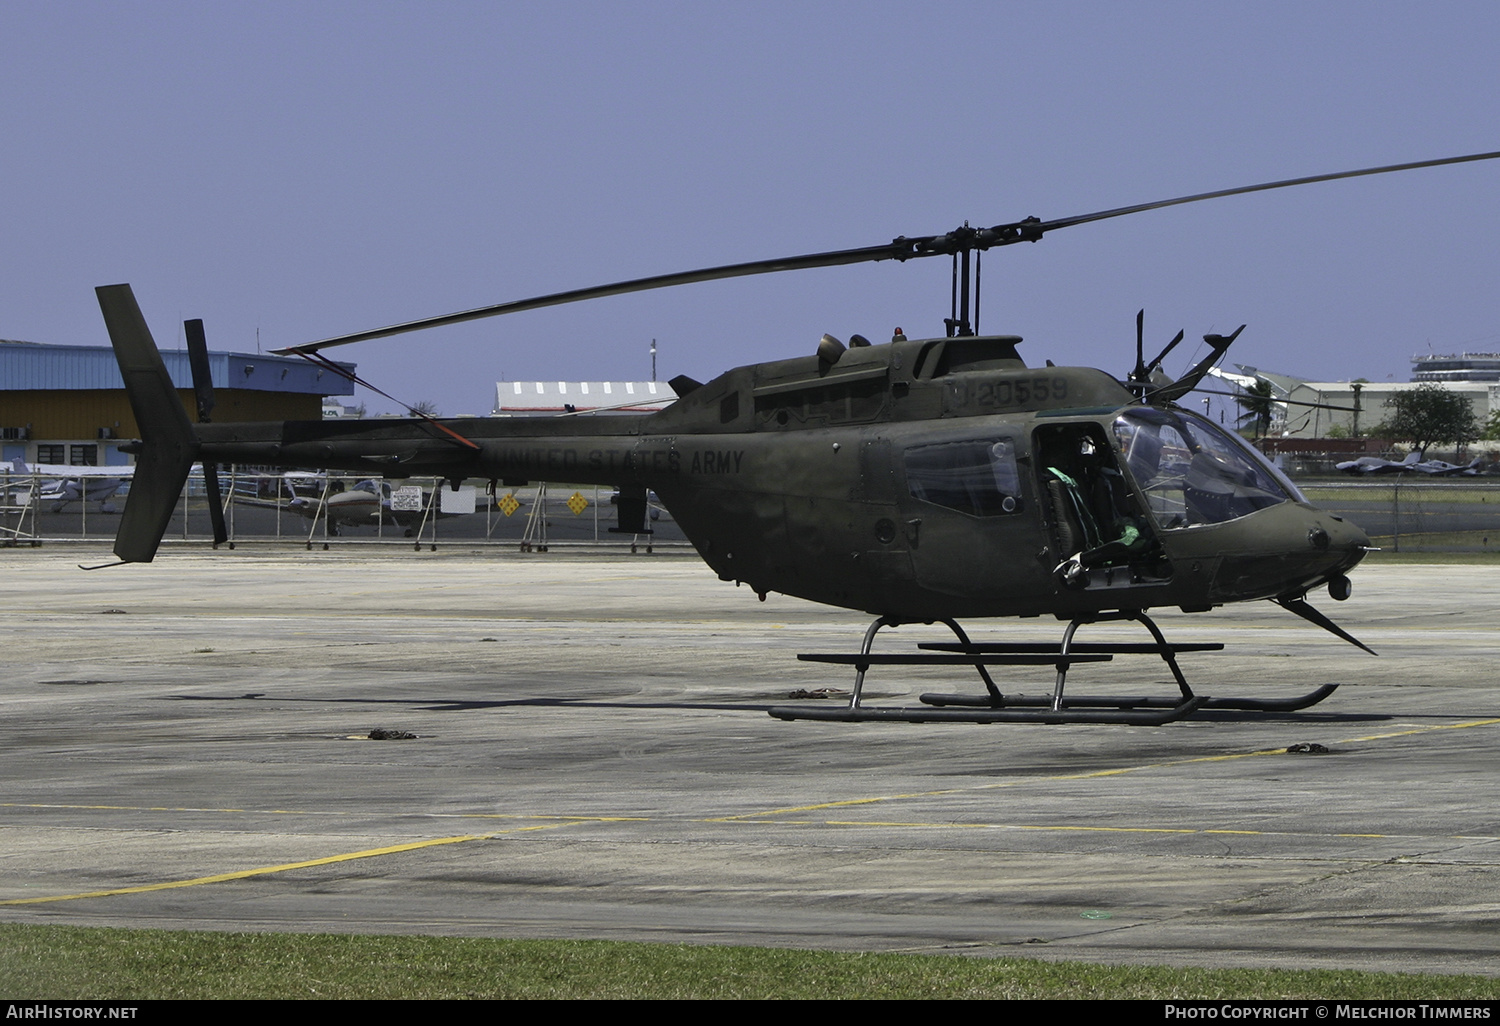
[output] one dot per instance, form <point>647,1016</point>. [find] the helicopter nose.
<point>1342,543</point>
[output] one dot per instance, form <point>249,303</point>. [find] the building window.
<point>83,455</point>
<point>51,453</point>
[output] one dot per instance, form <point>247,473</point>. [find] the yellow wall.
<point>79,415</point>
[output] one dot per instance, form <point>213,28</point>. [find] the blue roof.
<point>31,366</point>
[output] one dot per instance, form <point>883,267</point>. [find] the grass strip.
<point>64,962</point>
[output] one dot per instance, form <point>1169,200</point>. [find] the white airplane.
<point>365,504</point>
<point>60,484</point>
<point>1413,462</point>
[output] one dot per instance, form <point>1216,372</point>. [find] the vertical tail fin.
<point>168,445</point>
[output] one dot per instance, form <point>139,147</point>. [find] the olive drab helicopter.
<point>919,480</point>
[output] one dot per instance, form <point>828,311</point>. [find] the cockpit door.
<point>1097,525</point>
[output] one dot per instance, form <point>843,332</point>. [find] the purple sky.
<point>307,169</point>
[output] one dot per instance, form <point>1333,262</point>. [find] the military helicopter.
<point>920,480</point>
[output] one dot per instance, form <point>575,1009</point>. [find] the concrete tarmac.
<point>183,747</point>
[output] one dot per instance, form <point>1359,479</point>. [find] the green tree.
<point>1257,402</point>
<point>1431,415</point>
<point>1491,430</point>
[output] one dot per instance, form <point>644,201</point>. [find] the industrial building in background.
<point>66,404</point>
<point>1456,367</point>
<point>1340,410</point>
<point>549,398</point>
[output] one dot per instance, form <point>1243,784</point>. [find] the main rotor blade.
<point>960,239</point>
<point>900,249</point>
<point>1068,222</point>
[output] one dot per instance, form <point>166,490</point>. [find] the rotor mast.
<point>965,241</point>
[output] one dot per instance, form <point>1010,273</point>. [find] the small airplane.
<point>364,505</point>
<point>1413,463</point>
<point>59,484</point>
<point>921,481</point>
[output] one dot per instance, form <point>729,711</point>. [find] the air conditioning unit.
<point>15,434</point>
<point>106,432</point>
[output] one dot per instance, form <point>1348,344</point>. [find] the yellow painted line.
<point>1118,771</point>
<point>1422,730</point>
<point>556,821</point>
<point>1095,774</point>
<point>1020,826</point>
<point>523,815</point>
<point>243,874</point>
<point>918,825</point>
<point>834,805</point>
<point>896,823</point>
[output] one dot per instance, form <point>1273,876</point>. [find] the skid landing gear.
<point>994,707</point>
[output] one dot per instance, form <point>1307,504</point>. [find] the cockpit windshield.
<point>1194,473</point>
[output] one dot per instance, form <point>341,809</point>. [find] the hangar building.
<point>67,404</point>
<point>549,398</point>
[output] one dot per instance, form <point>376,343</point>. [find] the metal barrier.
<point>328,510</point>
<point>1402,512</point>
<point>1408,513</point>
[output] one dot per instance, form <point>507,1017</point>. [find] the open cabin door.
<point>1097,526</point>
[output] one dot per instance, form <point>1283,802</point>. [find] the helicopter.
<point>923,480</point>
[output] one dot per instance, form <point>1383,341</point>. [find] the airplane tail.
<point>168,445</point>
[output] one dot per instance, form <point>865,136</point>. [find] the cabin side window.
<point>977,477</point>
<point>850,402</point>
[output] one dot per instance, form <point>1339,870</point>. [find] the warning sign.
<point>577,503</point>
<point>406,499</point>
<point>508,503</point>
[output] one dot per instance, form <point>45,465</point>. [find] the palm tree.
<point>1257,402</point>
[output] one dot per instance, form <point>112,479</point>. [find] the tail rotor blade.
<point>215,502</point>
<point>203,391</point>
<point>203,383</point>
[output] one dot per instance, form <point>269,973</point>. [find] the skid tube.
<point>994,707</point>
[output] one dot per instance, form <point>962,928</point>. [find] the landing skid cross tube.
<point>994,707</point>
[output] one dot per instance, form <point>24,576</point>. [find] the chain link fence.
<point>1412,513</point>
<point>1401,512</point>
<point>327,510</point>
